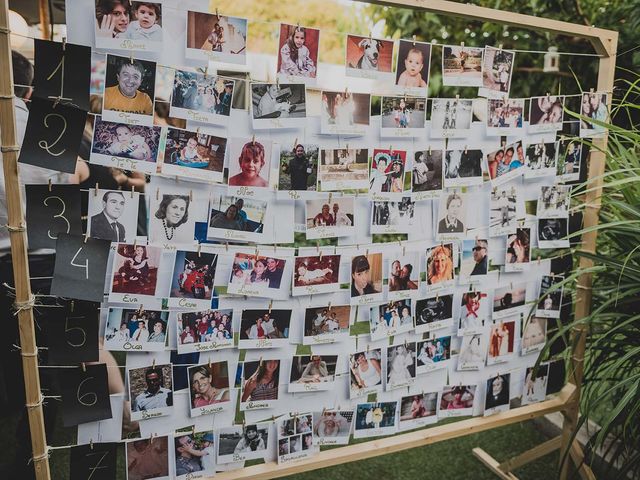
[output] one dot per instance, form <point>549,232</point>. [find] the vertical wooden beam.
<point>29,349</point>
<point>45,19</point>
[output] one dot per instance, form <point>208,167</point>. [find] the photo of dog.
<point>368,57</point>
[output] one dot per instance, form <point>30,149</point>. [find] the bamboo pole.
<point>45,19</point>
<point>16,222</point>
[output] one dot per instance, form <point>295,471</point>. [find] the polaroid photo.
<point>332,427</point>
<point>518,253</point>
<point>256,275</point>
<point>400,366</point>
<point>200,458</point>
<point>462,66</point>
<point>298,170</point>
<point>535,384</point>
<point>267,328</point>
<point>260,381</point>
<point>427,175</point>
<point>418,410</point>
<point>403,117</point>
<point>496,399</point>
<point>366,279</point>
<point>412,67</point>
<point>389,217</point>
<point>365,373</point>
<point>545,114</point>
<point>593,107</point>
<point>136,330</point>
<point>497,70</point>
<point>540,159</point>
<point>194,155</point>
<point>473,352</point>
<point>298,54</point>
<point>569,160</point>
<point>126,147</point>
<point>150,391</point>
<point>169,219</point>
<point>507,208</point>
<point>506,300</point>
<point>240,443</point>
<point>462,168</point>
<point>343,169</point>
<point>534,335</point>
<point>550,301</point>
<point>312,373</point>
<point>554,201</point>
<point>204,330</point>
<point>505,116</point>
<point>553,233</point>
<point>390,319</point>
<point>506,163</point>
<point>295,438</point>
<point>330,219</point>
<point>404,276</point>
<point>433,313</point>
<point>113,215</point>
<point>216,38</point>
<point>129,91</point>
<point>433,354</point>
<point>452,215</point>
<point>134,28</point>
<point>474,313</point>
<point>387,174</point>
<point>235,218</point>
<point>345,113</point>
<point>440,267</point>
<point>199,97</point>
<point>474,261</point>
<point>148,458</point>
<point>209,388</point>
<point>501,341</point>
<point>370,58</point>
<point>451,117</point>
<point>316,274</point>
<point>376,419</point>
<point>134,277</point>
<point>326,324</point>
<point>457,401</point>
<point>249,166</point>
<point>278,105</point>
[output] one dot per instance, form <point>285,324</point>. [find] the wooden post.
<point>16,222</point>
<point>45,19</point>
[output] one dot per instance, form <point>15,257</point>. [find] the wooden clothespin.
<point>462,44</point>
<point>199,249</point>
<point>153,365</point>
<point>86,237</point>
<point>329,307</point>
<point>131,58</point>
<point>84,367</point>
<point>50,185</point>
<point>158,193</point>
<point>191,195</point>
<point>91,444</point>
<point>295,143</point>
<point>217,14</point>
<point>64,44</point>
<point>253,139</point>
<point>270,305</point>
<point>209,364</point>
<point>465,149</point>
<point>500,47</point>
<point>95,193</point>
<point>226,246</point>
<point>414,40</point>
<point>133,190</point>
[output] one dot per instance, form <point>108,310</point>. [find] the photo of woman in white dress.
<point>400,365</point>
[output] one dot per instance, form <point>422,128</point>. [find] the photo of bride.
<point>401,365</point>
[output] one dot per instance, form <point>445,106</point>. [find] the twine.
<point>26,305</point>
<point>37,404</point>
<point>9,148</point>
<point>11,228</point>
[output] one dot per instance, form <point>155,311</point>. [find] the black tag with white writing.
<point>52,210</point>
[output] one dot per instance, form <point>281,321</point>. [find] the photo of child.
<point>298,53</point>
<point>194,155</point>
<point>249,163</point>
<point>135,269</point>
<point>406,113</point>
<point>119,21</point>
<point>216,37</point>
<point>412,69</point>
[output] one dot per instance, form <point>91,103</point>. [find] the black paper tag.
<point>81,267</point>
<point>73,335</point>
<point>85,395</point>
<point>96,462</point>
<point>51,211</point>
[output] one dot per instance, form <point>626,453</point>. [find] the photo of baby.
<point>298,53</point>
<point>194,155</point>
<point>412,69</point>
<point>125,25</point>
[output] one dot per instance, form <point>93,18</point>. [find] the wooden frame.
<point>605,44</point>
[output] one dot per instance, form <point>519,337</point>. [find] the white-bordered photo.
<point>126,147</point>
<point>365,372</point>
<point>169,219</point>
<point>452,216</point>
<point>393,216</point>
<point>278,105</point>
<point>125,26</point>
<point>194,155</point>
<point>240,443</point>
<point>390,319</point>
<point>506,208</point>
<point>148,458</point>
<point>550,296</point>
<point>312,373</point>
<point>518,253</point>
<point>413,67</point>
<point>150,391</point>
<point>505,116</point>
<point>497,394</point>
<point>343,169</point>
<point>540,159</point>
<point>433,354</point>
<point>473,352</point>
<point>451,117</point>
<point>400,365</point>
<point>249,165</point>
<point>256,275</point>
<point>534,335</point>
<point>474,312</point>
<point>404,275</point>
<point>474,260</point>
<point>326,324</point>
<point>295,437</point>
<point>497,71</point>
<point>463,168</point>
<point>427,175</point>
<point>136,330</point>
<point>440,267</point>
<point>298,49</point>
<point>502,341</point>
<point>403,117</point>
<point>545,113</point>
<point>216,38</point>
<point>316,274</point>
<point>418,410</point>
<point>387,174</point>
<point>235,218</point>
<point>204,330</point>
<point>264,328</point>
<point>569,160</point>
<point>113,215</point>
<point>376,419</point>
<point>195,454</point>
<point>209,388</point>
<point>298,169</point>
<point>457,401</point>
<point>366,279</point>
<point>535,384</point>
<point>433,313</point>
<point>462,66</point>
<point>135,273</point>
<point>554,201</point>
<point>506,300</point>
<point>260,381</point>
<point>553,233</point>
<point>370,58</point>
<point>506,163</point>
<point>202,98</point>
<point>330,220</point>
<point>593,107</point>
<point>332,427</point>
<point>345,113</point>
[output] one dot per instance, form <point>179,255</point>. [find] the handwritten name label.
<point>124,163</point>
<point>325,231</point>
<point>194,475</point>
<point>366,299</point>
<point>146,415</point>
<point>294,195</point>
<point>311,387</point>
<point>322,339</point>
<point>131,346</point>
<point>126,118</point>
<point>311,289</point>
<point>237,457</point>
<point>256,405</point>
<point>210,410</point>
<point>131,45</point>
<point>246,290</point>
<point>195,116</point>
<point>246,191</point>
<point>126,298</point>
<point>234,234</point>
<point>184,302</point>
<point>293,457</point>
<point>263,343</point>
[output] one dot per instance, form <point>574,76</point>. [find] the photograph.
<point>209,388</point>
<point>518,254</point>
<point>457,401</point>
<point>412,67</point>
<point>550,296</point>
<point>136,330</point>
<point>298,170</point>
<point>418,410</point>
<point>501,341</point>
<point>217,38</point>
<point>135,272</point>
<point>194,155</point>
<point>554,201</point>
<point>432,354</point>
<point>239,443</point>
<point>298,53</point>
<point>326,324</point>
<point>474,260</point>
<point>332,427</point>
<point>540,159</point>
<point>387,174</point>
<point>553,233</point>
<point>148,458</point>
<point>345,113</point>
<point>393,217</point>
<point>403,116</point>
<point>440,266</point>
<point>268,328</point>
<point>506,209</point>
<point>390,319</point>
<point>473,352</point>
<point>343,169</point>
<point>452,215</point>
<point>593,107</point>
<point>366,278</point>
<point>506,299</point>
<point>236,218</point>
<point>401,365</point>
<point>316,274</point>
<point>254,275</point>
<point>204,330</point>
<point>569,160</point>
<point>497,394</point>
<point>535,384</point>
<point>375,419</point>
<point>534,335</point>
<point>195,454</point>
<point>129,90</point>
<point>278,105</point>
<point>462,168</point>
<point>497,69</point>
<point>124,25</point>
<point>545,113</point>
<point>126,147</point>
<point>368,57</point>
<point>404,275</point>
<point>451,117</point>
<point>330,220</point>
<point>113,215</point>
<point>260,380</point>
<point>170,222</point>
<point>434,313</point>
<point>150,391</point>
<point>462,66</point>
<point>202,98</point>
<point>365,372</point>
<point>295,437</point>
<point>506,163</point>
<point>474,313</point>
<point>310,373</point>
<point>426,175</point>
<point>505,116</point>
<point>249,163</point>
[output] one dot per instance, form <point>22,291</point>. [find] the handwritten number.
<point>43,144</point>
<point>93,396</point>
<point>59,215</point>
<point>68,329</point>
<point>80,265</point>
<point>98,465</point>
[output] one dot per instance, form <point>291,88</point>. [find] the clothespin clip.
<point>158,193</point>
<point>64,43</point>
<point>429,149</point>
<point>295,143</point>
<point>191,195</point>
<point>133,190</point>
<point>226,246</point>
<point>199,249</point>
<point>369,34</point>
<point>329,307</point>
<point>346,90</point>
<point>243,423</point>
<point>591,90</point>
<point>330,196</point>
<point>465,149</point>
<point>270,305</point>
<point>390,150</point>
<point>153,365</point>
<point>84,367</point>
<point>193,429</point>
<point>500,47</point>
<point>151,438</point>
<point>548,95</point>
<point>539,259</point>
<point>366,252</point>
<point>206,70</point>
<point>135,242</point>
<point>86,237</point>
<point>253,139</point>
<point>209,364</point>
<point>462,44</point>
<point>131,57</point>
<point>91,444</point>
<point>414,40</point>
<point>217,15</point>
<point>95,193</point>
<point>457,97</point>
<point>72,305</point>
<point>257,252</point>
<point>50,186</point>
<point>368,348</point>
